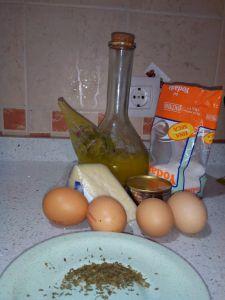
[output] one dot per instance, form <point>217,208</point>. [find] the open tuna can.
<point>148,186</point>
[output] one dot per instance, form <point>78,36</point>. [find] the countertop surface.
<point>23,184</point>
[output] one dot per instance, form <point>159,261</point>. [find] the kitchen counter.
<point>29,168</point>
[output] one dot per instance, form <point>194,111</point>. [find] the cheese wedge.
<point>94,180</point>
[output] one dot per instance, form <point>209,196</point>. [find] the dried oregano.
<point>105,277</point>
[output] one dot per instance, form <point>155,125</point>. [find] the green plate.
<point>38,272</point>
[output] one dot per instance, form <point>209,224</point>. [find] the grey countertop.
<point>29,168</point>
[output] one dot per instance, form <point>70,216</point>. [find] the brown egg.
<point>189,212</point>
<point>154,217</point>
<point>106,214</point>
<point>65,206</point>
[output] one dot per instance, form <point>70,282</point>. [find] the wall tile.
<point>137,122</point>
<point>70,46</point>
<point>147,126</point>
<point>12,57</point>
<point>14,119</point>
<point>58,122</point>
<point>93,117</point>
<point>202,7</point>
<point>185,48</point>
<point>197,7</point>
<point>51,53</point>
<point>11,1</point>
<point>94,32</point>
<point>220,75</point>
<point>39,121</point>
<point>220,131</point>
<point>102,3</point>
<point>220,80</point>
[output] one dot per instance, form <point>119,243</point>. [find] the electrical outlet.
<point>144,93</point>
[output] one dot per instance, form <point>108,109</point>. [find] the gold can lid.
<point>149,183</point>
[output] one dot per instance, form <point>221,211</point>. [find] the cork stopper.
<point>120,40</point>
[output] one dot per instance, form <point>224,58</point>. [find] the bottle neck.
<point>119,77</point>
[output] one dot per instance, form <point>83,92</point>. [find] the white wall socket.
<point>144,93</point>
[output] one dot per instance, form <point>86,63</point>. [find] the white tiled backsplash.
<point>52,48</point>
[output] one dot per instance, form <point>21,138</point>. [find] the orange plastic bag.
<point>182,134</point>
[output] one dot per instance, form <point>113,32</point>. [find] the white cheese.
<point>94,180</point>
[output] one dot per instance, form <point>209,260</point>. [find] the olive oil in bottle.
<point>130,156</point>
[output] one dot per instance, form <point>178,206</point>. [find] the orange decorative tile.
<point>58,121</point>
<point>147,126</point>
<point>40,134</point>
<point>14,118</point>
<point>100,117</point>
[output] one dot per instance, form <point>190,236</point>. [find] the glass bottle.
<point>130,157</point>
<point>115,142</point>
